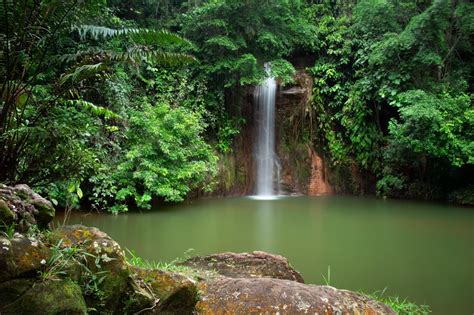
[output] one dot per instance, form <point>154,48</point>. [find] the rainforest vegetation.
<point>116,103</point>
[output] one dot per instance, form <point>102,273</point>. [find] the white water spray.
<point>267,167</point>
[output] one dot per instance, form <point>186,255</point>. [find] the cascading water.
<point>265,95</point>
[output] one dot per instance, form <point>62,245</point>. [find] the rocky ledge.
<point>81,270</point>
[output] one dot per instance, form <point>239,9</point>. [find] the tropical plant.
<point>50,123</point>
<point>167,156</point>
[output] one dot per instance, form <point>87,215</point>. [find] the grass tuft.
<point>173,266</point>
<point>399,305</point>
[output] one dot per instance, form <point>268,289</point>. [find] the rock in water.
<point>246,265</point>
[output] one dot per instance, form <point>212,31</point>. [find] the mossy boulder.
<point>45,213</point>
<point>12,290</point>
<point>23,207</point>
<point>52,297</point>
<point>246,265</point>
<point>105,256</point>
<point>276,296</point>
<point>139,298</point>
<point>21,257</point>
<point>44,209</point>
<point>7,216</point>
<point>176,293</point>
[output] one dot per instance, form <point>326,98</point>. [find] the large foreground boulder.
<point>22,256</point>
<point>262,283</point>
<point>52,297</point>
<point>104,257</point>
<point>21,206</point>
<point>246,265</point>
<point>275,296</point>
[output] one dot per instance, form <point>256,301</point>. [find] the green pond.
<point>420,251</point>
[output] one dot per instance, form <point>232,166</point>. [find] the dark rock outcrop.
<point>246,265</point>
<point>21,206</point>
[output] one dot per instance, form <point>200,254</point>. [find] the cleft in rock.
<point>175,293</point>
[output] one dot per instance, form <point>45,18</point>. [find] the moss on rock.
<point>21,256</point>
<point>22,206</point>
<point>105,255</point>
<point>7,216</point>
<point>52,297</point>
<point>46,211</point>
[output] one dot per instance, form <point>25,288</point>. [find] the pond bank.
<point>77,270</point>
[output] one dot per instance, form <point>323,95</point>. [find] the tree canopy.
<point>132,100</point>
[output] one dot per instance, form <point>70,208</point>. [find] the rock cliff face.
<point>303,169</point>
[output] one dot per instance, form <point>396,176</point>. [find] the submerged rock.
<point>246,265</point>
<point>275,296</point>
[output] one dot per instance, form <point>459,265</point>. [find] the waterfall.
<point>267,167</point>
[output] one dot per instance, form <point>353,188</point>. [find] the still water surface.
<point>421,251</point>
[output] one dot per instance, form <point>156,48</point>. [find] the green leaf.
<point>79,192</point>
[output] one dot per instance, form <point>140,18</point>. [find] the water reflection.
<point>265,230</point>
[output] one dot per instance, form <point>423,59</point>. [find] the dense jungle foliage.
<point>115,103</point>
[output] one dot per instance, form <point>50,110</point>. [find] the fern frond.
<point>68,58</point>
<point>137,55</point>
<point>81,73</point>
<point>139,35</point>
<point>161,38</point>
<point>92,108</point>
